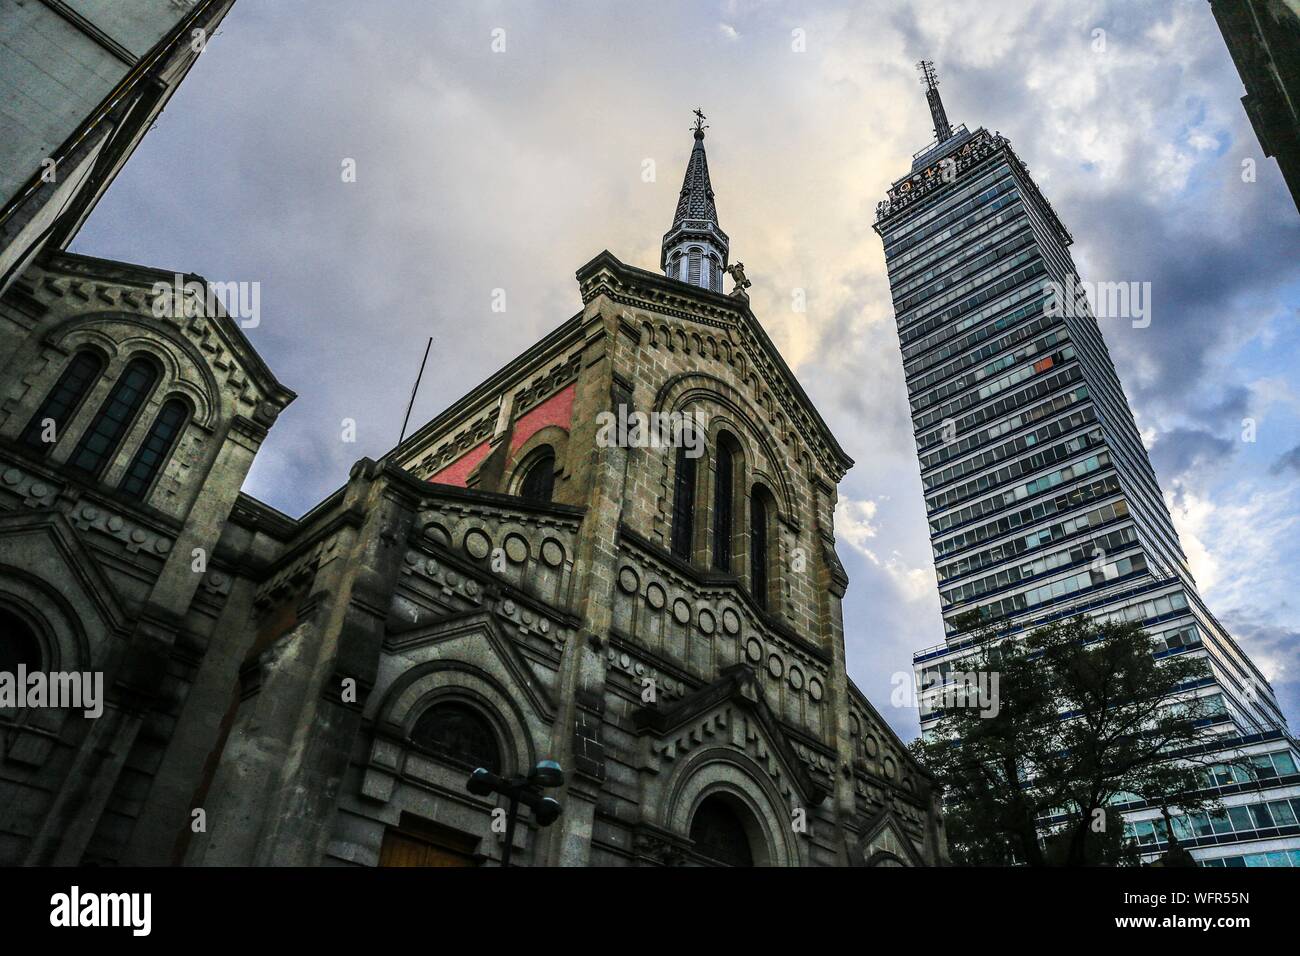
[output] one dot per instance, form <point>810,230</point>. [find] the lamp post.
<point>521,789</point>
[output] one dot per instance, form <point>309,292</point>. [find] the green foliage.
<point>1084,715</point>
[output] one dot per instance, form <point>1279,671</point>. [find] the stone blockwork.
<point>322,689</point>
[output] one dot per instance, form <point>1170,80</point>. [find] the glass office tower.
<point>1040,498</point>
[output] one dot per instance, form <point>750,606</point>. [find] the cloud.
<point>480,170</point>
<point>1288,462</point>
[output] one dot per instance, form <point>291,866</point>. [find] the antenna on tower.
<point>942,130</point>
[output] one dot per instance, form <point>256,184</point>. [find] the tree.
<point>1064,722</point>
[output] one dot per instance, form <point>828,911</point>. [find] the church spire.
<point>942,131</point>
<point>695,249</point>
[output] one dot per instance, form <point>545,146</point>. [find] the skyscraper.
<point>1040,497</point>
<point>81,85</point>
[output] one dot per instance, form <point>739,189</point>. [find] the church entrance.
<point>418,842</point>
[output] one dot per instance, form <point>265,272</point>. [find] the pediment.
<point>731,712</point>
<point>472,639</point>
<point>884,842</point>
<point>45,547</point>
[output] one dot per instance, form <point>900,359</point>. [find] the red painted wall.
<point>457,473</point>
<point>556,410</point>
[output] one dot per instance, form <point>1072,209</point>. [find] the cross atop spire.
<point>942,130</point>
<point>695,248</point>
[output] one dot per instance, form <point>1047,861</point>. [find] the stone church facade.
<point>507,585</point>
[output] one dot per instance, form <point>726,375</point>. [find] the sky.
<point>502,145</point>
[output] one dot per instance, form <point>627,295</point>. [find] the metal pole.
<point>510,826</point>
<point>415,389</point>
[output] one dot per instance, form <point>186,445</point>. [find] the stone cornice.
<point>101,280</point>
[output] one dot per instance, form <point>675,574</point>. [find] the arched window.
<point>460,733</point>
<point>539,482</point>
<point>18,644</point>
<point>114,417</point>
<point>758,556</point>
<point>64,399</point>
<point>693,267</point>
<point>676,266</point>
<point>724,477</point>
<point>715,274</point>
<point>719,833</point>
<point>155,448</point>
<point>683,503</point>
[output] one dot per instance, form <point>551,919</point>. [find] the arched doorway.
<point>723,831</point>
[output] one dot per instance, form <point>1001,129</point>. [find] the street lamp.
<point>521,789</point>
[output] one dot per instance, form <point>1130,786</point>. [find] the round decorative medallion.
<point>137,535</point>
<point>796,678</point>
<point>891,768</point>
<point>624,660</point>
<point>115,523</point>
<point>871,745</point>
<point>516,549</point>
<point>815,689</point>
<point>526,617</point>
<point>730,621</point>
<point>508,607</point>
<point>12,476</point>
<point>471,587</point>
<point>656,596</point>
<point>89,513</point>
<point>412,558</point>
<point>478,544</point>
<point>627,580</point>
<point>681,611</point>
<point>775,666</point>
<point>39,490</point>
<point>451,578</point>
<point>754,649</point>
<point>707,621</point>
<point>162,545</point>
<point>552,552</point>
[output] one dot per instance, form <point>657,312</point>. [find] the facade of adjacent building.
<point>82,82</point>
<point>507,585</point>
<point>1263,37</point>
<point>1040,497</point>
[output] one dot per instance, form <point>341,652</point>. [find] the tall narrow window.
<point>63,401</point>
<point>693,267</point>
<point>723,476</point>
<point>114,417</point>
<point>758,547</point>
<point>539,483</point>
<point>683,504</point>
<point>155,448</point>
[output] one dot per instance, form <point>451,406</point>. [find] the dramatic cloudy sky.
<point>479,170</point>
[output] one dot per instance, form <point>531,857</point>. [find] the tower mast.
<point>942,130</point>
